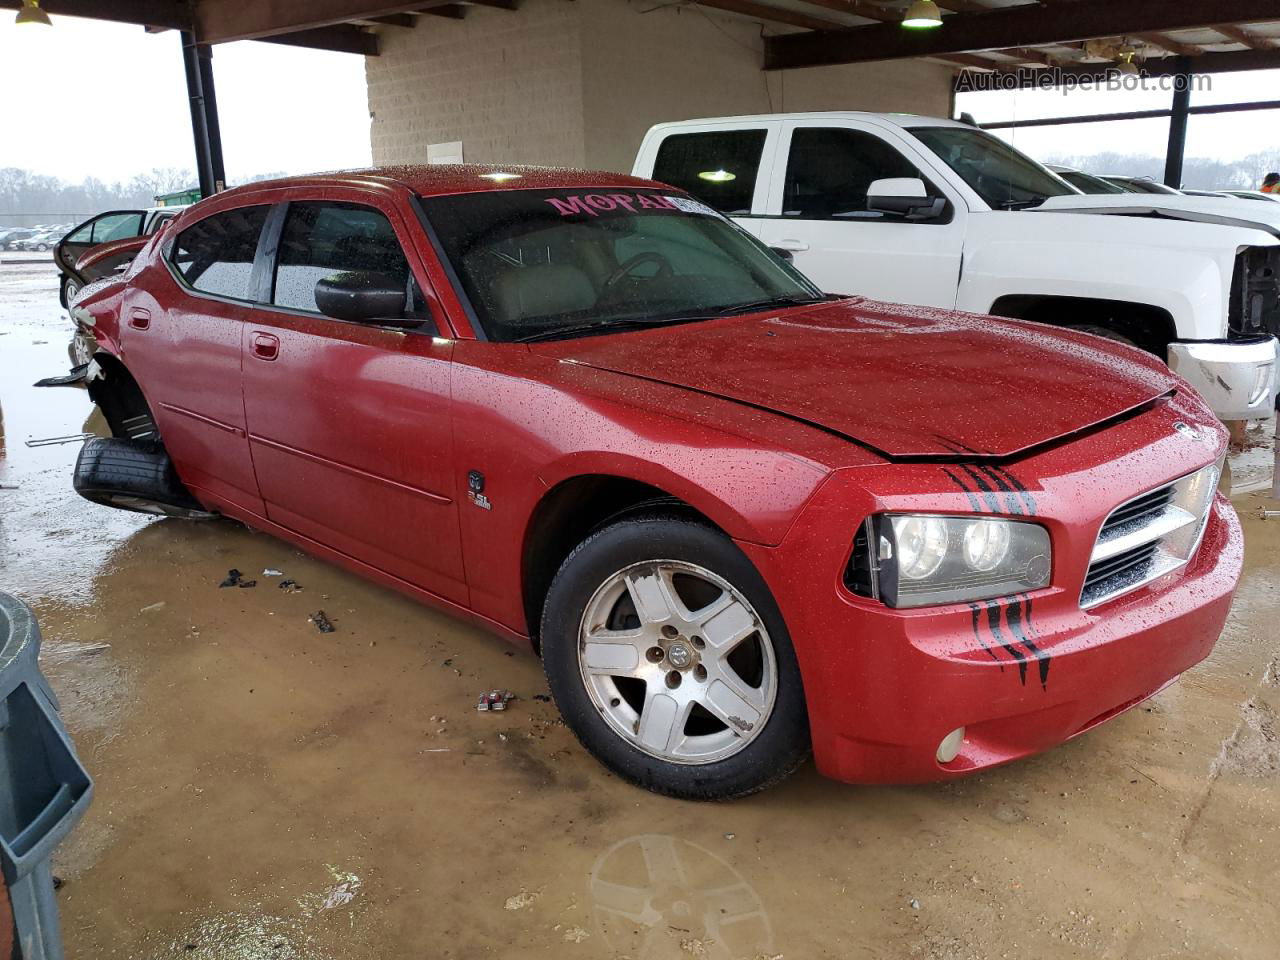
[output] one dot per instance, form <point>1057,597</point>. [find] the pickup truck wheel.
<point>134,475</point>
<point>669,660</point>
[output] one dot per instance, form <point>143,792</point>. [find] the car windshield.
<point>541,264</point>
<point>1088,183</point>
<point>1003,177</point>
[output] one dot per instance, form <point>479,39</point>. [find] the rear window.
<point>719,167</point>
<point>216,254</point>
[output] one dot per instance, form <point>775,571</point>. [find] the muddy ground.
<point>268,791</point>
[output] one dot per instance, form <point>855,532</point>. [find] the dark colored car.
<point>10,237</point>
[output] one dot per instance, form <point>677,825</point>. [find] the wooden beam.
<point>1166,42</point>
<point>454,11</point>
<point>161,14</point>
<point>340,39</point>
<point>1250,40</point>
<point>758,11</point>
<point>496,4</point>
<point>1207,62</point>
<point>396,20</point>
<point>1025,25</point>
<point>220,21</point>
<point>858,8</point>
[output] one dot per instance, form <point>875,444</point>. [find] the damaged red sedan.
<point>739,519</point>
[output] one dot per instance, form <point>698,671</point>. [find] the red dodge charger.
<point>738,518</point>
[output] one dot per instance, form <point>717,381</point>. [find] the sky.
<point>89,98</point>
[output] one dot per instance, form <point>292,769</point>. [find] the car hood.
<point>902,381</point>
<point>1218,210</point>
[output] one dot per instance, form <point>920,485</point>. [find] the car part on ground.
<point>44,790</point>
<point>133,475</point>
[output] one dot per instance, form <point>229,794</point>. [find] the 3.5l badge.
<point>475,490</point>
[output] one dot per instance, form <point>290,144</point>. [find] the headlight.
<point>919,560</point>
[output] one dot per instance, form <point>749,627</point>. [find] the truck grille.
<point>1148,537</point>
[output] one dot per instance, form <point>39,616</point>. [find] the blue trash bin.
<point>44,789</point>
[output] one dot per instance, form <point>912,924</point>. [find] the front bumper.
<point>885,686</point>
<point>43,788</point>
<point>1237,378</point>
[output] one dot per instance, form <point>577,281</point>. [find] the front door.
<point>349,423</point>
<point>818,212</point>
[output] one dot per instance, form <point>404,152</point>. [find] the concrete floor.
<point>268,791</point>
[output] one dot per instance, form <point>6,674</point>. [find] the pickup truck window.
<point>718,167</point>
<point>830,168</point>
<point>321,239</point>
<point>548,263</point>
<point>1002,176</point>
<point>216,254</point>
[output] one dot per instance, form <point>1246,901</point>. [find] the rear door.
<point>104,228</point>
<point>349,423</point>
<point>817,211</point>
<point>181,332</point>
<point>727,166</point>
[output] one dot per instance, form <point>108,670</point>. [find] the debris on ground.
<point>495,700</point>
<point>272,572</point>
<point>522,899</point>
<point>152,608</point>
<point>576,935</point>
<point>54,441</point>
<point>246,584</point>
<point>290,586</point>
<point>73,378</point>
<point>9,486</point>
<point>914,904</point>
<point>322,622</point>
<point>542,697</point>
<point>233,578</point>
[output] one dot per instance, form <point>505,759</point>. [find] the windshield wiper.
<point>603,326</point>
<point>1023,204</point>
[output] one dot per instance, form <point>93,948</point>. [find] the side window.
<point>830,169</point>
<point>117,226</point>
<point>321,239</point>
<point>216,254</point>
<point>718,167</point>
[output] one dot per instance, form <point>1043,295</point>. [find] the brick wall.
<point>578,82</point>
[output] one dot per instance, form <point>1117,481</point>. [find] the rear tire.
<point>729,715</point>
<point>1106,334</point>
<point>134,475</point>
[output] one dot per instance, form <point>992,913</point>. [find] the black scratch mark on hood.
<point>1016,614</point>
<point>993,621</point>
<point>977,633</point>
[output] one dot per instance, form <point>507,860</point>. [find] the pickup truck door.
<point>350,423</point>
<point>817,211</point>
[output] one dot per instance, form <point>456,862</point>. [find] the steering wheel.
<point>640,259</point>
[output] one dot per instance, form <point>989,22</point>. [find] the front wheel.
<point>669,660</point>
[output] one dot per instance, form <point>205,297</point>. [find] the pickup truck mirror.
<point>365,297</point>
<point>904,197</point>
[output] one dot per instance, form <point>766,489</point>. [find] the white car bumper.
<point>1237,378</point>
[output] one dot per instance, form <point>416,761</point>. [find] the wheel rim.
<point>677,661</point>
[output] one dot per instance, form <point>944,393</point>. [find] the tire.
<point>133,475</point>
<point>70,287</point>
<point>42,247</point>
<point>750,727</point>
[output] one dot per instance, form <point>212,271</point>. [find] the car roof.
<point>904,120</point>
<point>449,178</point>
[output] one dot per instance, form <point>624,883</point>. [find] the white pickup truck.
<point>935,212</point>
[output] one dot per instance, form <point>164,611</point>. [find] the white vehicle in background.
<point>939,213</point>
<point>1085,182</point>
<point>1255,195</point>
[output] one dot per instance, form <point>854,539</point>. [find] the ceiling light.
<point>1124,63</point>
<point>500,177</point>
<point>717,176</point>
<point>31,13</point>
<point>922,14</point>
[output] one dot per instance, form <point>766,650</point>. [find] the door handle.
<point>266,346</point>
<point>139,318</point>
<point>794,246</point>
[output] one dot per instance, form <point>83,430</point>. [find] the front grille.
<point>1144,538</point>
<point>1138,510</point>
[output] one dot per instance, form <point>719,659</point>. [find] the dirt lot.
<point>269,791</point>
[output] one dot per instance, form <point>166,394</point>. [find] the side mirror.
<point>365,297</point>
<point>904,197</point>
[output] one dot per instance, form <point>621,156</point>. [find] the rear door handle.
<point>266,346</point>
<point>139,318</point>
<point>794,246</point>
